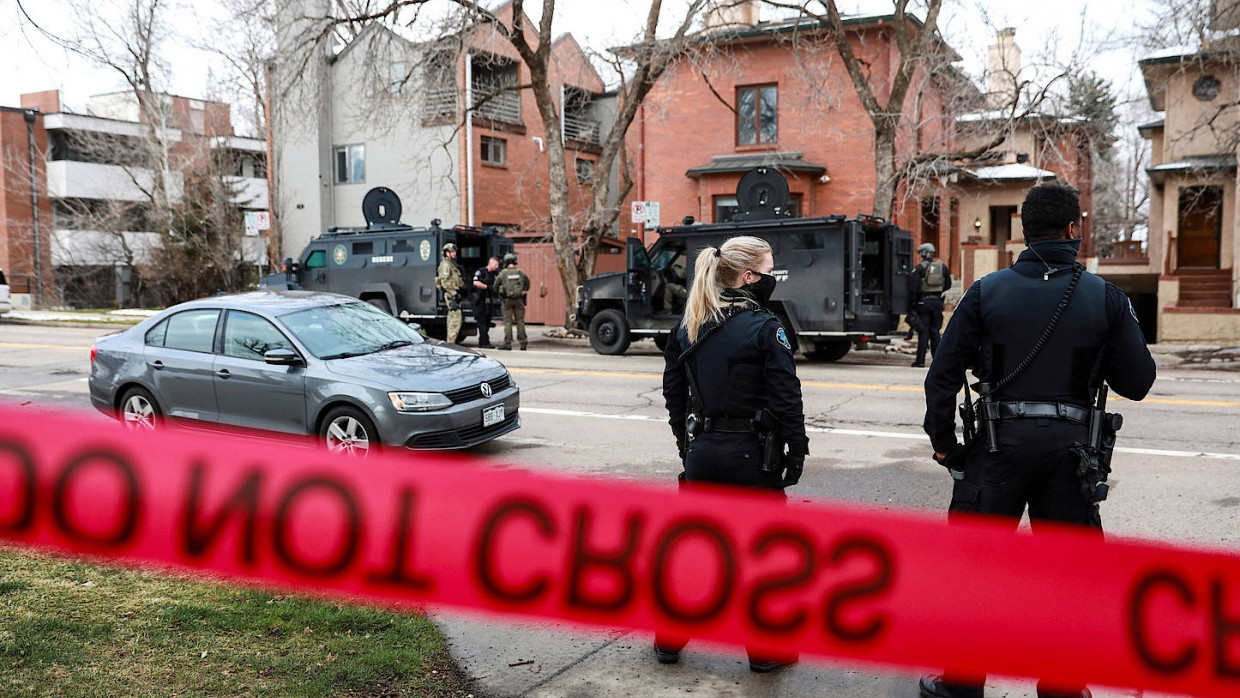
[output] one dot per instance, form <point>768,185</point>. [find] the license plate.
<point>493,415</point>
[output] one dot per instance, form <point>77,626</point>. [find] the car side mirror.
<point>282,357</point>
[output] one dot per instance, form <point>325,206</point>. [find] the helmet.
<point>449,247</point>
<point>510,258</point>
<point>925,249</point>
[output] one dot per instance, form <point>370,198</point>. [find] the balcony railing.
<point>502,105</point>
<point>440,102</point>
<point>582,129</point>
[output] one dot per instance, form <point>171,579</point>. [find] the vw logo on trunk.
<point>486,389</point>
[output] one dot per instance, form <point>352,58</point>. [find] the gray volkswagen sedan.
<point>302,363</point>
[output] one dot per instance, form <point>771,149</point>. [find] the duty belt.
<point>724,424</point>
<point>1022,409</point>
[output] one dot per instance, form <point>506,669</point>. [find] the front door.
<point>250,392</point>
<point>1201,227</point>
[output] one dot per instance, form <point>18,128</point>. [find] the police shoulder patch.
<point>783,338</point>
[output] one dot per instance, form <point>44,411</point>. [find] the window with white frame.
<point>350,164</point>
<point>494,150</point>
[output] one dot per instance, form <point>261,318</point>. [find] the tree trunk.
<point>884,171</point>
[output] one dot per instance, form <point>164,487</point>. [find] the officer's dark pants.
<point>1033,467</point>
<point>930,321</point>
<point>482,318</point>
<point>727,459</point>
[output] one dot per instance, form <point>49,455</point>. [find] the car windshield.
<point>348,329</point>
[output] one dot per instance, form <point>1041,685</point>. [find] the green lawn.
<point>71,628</point>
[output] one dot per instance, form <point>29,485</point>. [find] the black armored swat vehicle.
<point>841,280</point>
<point>391,265</point>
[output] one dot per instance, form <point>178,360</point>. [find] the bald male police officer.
<point>1037,402</point>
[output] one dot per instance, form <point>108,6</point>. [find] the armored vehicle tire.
<point>609,332</point>
<point>829,351</point>
<point>660,341</point>
<point>380,303</point>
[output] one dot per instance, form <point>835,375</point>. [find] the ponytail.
<point>704,295</point>
<point>714,270</point>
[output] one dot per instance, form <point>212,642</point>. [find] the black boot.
<point>935,687</point>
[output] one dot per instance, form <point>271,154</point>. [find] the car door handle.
<point>223,373</point>
<point>157,365</point>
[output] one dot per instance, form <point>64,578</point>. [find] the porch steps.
<point>1205,288</point>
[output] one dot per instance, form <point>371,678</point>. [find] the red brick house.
<point>777,94</point>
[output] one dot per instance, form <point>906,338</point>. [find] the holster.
<point>767,428</point>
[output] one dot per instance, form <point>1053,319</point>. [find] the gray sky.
<point>1044,28</point>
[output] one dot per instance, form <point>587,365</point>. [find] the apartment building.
<point>77,188</point>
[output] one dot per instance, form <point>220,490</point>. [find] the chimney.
<point>734,14</point>
<point>47,101</point>
<point>1004,69</point>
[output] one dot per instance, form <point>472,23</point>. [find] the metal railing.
<point>440,102</point>
<point>583,129</point>
<point>502,105</point>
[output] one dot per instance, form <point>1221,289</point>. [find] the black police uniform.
<point>998,320</point>
<point>739,367</point>
<point>483,305</point>
<point>928,308</point>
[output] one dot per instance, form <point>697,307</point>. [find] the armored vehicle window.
<point>402,245</point>
<point>807,241</point>
<point>363,248</point>
<point>317,259</point>
<point>248,336</point>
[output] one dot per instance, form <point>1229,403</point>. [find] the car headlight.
<point>419,402</point>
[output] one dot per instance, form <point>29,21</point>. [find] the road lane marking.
<point>866,432</point>
<point>24,345</point>
<point>853,386</point>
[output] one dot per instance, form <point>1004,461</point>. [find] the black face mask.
<point>761,289</point>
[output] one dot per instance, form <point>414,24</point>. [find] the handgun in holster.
<point>1093,458</point>
<point>767,429</point>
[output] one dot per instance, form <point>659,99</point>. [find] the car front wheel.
<point>347,430</point>
<point>139,411</point>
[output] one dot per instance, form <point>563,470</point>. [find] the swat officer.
<point>927,282</point>
<point>511,285</point>
<point>484,278</point>
<point>1040,399</point>
<point>449,281</point>
<point>731,388</point>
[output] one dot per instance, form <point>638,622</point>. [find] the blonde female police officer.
<point>728,360</point>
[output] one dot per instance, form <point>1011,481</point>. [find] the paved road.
<point>1177,478</point>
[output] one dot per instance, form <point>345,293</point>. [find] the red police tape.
<point>827,579</point>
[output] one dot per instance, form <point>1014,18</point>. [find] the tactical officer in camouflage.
<point>449,281</point>
<point>511,285</point>
<point>927,282</point>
